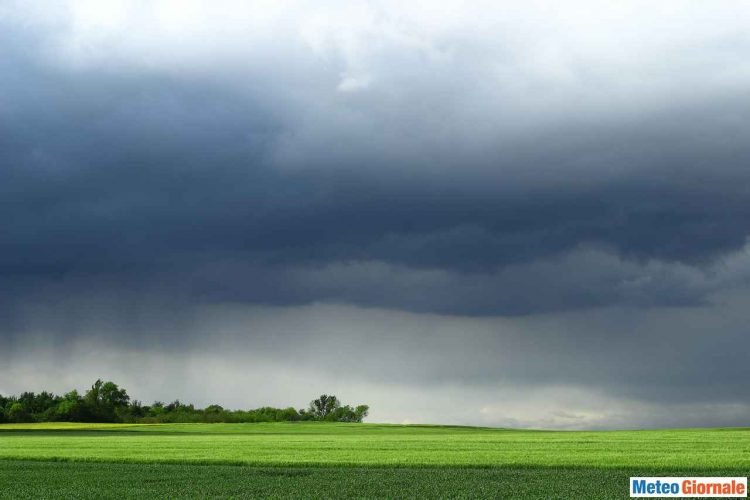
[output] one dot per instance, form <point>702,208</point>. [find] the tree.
<point>105,400</point>
<point>93,397</point>
<point>18,413</point>
<point>324,406</point>
<point>71,408</point>
<point>114,397</point>
<point>131,412</point>
<point>360,412</point>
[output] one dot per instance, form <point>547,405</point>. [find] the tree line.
<point>107,402</point>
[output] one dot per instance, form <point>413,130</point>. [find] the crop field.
<point>319,460</point>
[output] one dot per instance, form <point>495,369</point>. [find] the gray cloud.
<point>578,172</point>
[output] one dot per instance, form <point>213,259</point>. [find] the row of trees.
<point>107,402</point>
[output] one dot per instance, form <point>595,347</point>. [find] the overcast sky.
<point>529,214</point>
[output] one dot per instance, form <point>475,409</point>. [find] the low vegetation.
<point>335,460</point>
<point>338,444</point>
<point>34,480</point>
<point>107,402</point>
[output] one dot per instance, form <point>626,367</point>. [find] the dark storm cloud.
<point>206,194</point>
<point>107,170</point>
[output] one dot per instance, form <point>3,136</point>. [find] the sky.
<point>526,214</point>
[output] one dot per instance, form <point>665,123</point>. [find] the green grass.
<point>346,460</point>
<point>316,444</point>
<point>32,480</point>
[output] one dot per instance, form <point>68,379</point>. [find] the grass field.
<point>349,460</point>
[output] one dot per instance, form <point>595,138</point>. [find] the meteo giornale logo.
<point>695,487</point>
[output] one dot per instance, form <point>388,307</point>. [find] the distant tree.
<point>174,405</point>
<point>156,409</point>
<point>324,406</point>
<point>287,415</point>
<point>215,413</point>
<point>71,408</point>
<point>93,398</point>
<point>130,412</point>
<point>105,401</point>
<point>360,412</point>
<point>114,397</point>
<point>27,399</point>
<point>18,413</point>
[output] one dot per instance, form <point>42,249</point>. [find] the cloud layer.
<point>459,164</point>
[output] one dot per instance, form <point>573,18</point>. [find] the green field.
<point>348,460</point>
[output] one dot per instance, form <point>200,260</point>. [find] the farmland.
<point>329,460</point>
